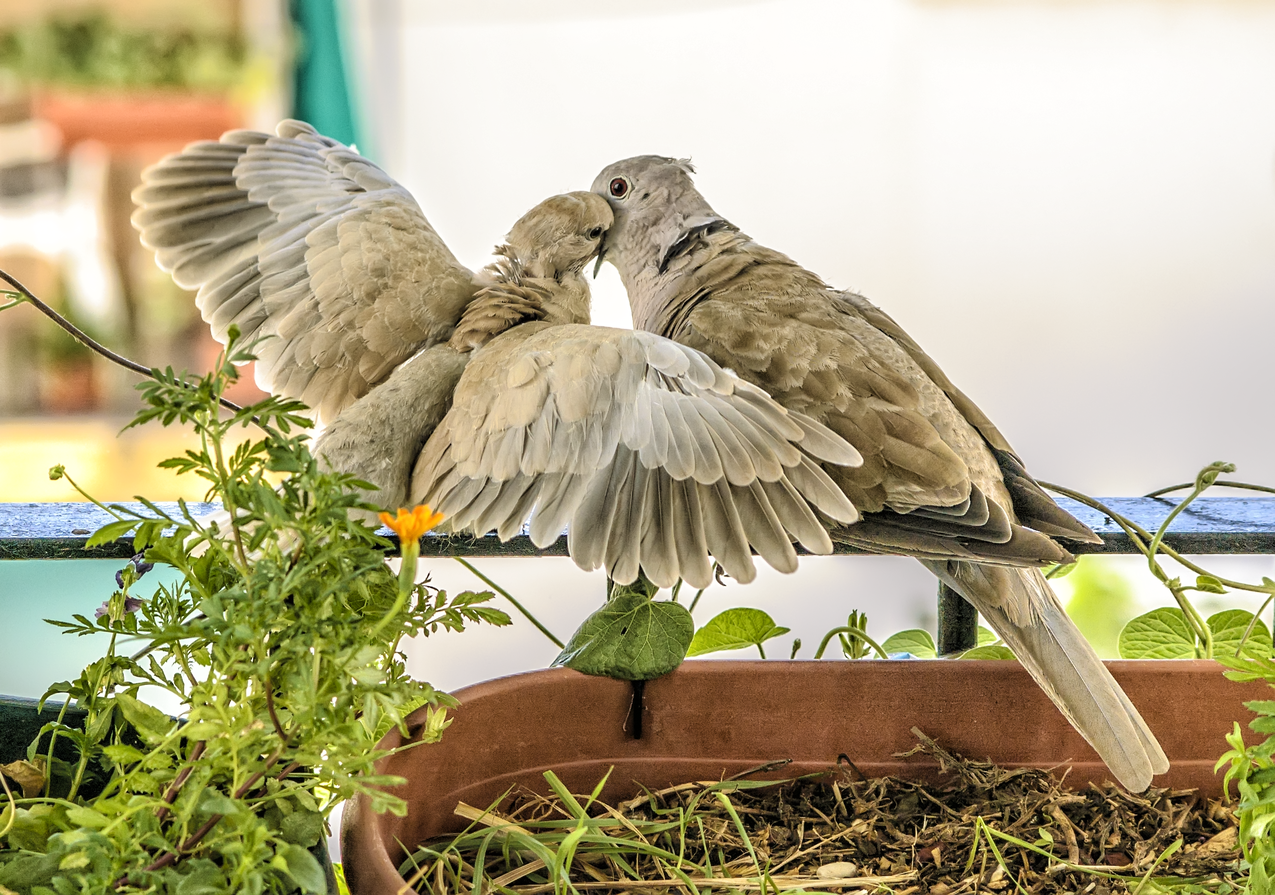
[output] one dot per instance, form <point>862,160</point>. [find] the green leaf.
<point>986,636</point>
<point>304,828</point>
<point>204,878</point>
<point>1228,629</point>
<point>1209,584</point>
<point>122,754</point>
<point>1061,570</point>
<point>915,641</point>
<point>110,532</point>
<point>734,629</point>
<point>631,638</point>
<point>988,651</point>
<point>1159,634</point>
<point>86,817</point>
<point>151,724</point>
<point>304,869</point>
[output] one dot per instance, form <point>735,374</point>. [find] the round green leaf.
<point>915,641</point>
<point>988,651</point>
<point>1228,629</point>
<point>1159,634</point>
<point>632,638</point>
<point>734,629</point>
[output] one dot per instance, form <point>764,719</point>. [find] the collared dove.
<point>656,457</point>
<point>938,480</point>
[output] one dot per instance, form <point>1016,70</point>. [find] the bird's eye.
<point>619,187</point>
<point>595,232</point>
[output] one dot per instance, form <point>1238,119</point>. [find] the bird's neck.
<point>675,274</point>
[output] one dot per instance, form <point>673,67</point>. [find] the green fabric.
<point>321,94</point>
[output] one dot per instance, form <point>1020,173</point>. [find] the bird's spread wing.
<point>932,482</point>
<point>298,238</point>
<point>651,453</point>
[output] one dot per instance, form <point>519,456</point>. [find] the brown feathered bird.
<point>938,480</point>
<point>656,457</point>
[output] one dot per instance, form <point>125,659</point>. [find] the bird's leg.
<point>958,623</point>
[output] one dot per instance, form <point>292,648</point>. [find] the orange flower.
<point>411,524</point>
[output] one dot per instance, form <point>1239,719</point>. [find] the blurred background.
<point>1069,203</point>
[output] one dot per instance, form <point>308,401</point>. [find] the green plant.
<point>1182,632</point>
<point>280,643</point>
<point>1252,769</point>
<point>94,51</point>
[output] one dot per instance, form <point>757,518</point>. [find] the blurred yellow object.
<point>107,463</point>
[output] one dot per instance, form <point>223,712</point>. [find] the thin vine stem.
<point>84,338</point>
<point>504,593</point>
<point>1140,535</point>
<point>1244,486</point>
<point>1144,541</point>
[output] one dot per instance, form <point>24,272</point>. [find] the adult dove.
<point>358,308</point>
<point>938,480</point>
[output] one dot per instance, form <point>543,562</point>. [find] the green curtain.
<point>321,94</point>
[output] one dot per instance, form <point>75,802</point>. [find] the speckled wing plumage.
<point>298,238</point>
<point>651,453</point>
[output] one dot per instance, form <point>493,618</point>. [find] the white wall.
<point>1071,205</point>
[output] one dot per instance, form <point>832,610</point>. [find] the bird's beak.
<point>602,253</point>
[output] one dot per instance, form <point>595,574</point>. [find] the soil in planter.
<point>981,829</point>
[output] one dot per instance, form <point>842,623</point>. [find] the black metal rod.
<point>958,623</point>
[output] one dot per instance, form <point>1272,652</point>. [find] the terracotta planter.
<point>125,119</point>
<point>713,719</point>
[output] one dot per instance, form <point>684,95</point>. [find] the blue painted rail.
<point>1210,525</point>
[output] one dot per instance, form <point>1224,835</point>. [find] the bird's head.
<point>560,236</point>
<point>654,202</point>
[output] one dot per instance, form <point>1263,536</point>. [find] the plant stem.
<point>504,593</point>
<point>855,632</point>
<point>83,338</point>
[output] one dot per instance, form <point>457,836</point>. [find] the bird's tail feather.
<point>1022,608</point>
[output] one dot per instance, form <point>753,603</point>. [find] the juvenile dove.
<point>938,480</point>
<point>656,457</point>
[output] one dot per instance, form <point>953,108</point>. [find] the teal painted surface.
<point>321,94</point>
<point>34,654</point>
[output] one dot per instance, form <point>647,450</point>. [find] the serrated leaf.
<point>915,641</point>
<point>110,532</point>
<point>304,869</point>
<point>1159,634</point>
<point>734,629</point>
<point>989,651</point>
<point>122,754</point>
<point>1228,629</point>
<point>632,638</point>
<point>151,724</point>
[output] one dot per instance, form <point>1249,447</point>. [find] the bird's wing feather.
<point>652,454</point>
<point>298,238</point>
<point>931,481</point>
<point>1032,505</point>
